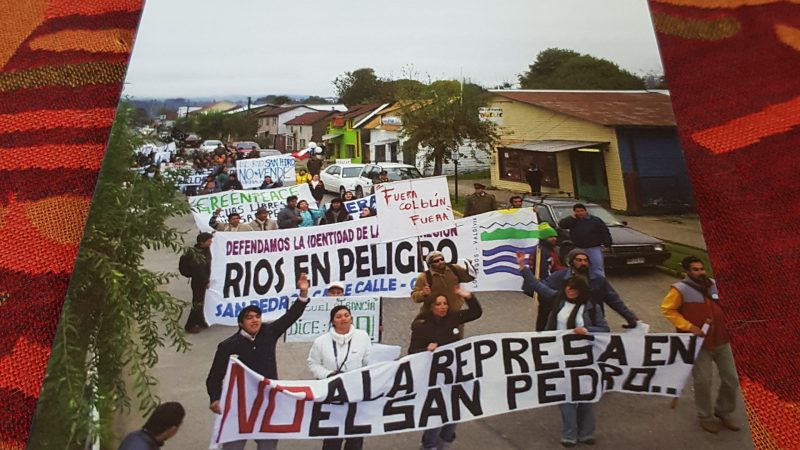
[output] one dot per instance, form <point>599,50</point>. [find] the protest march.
<point>325,272</point>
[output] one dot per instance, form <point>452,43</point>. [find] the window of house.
<point>514,163</point>
<point>351,151</point>
<point>380,153</point>
<point>393,151</point>
<point>302,143</point>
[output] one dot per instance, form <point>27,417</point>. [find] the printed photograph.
<point>430,225</point>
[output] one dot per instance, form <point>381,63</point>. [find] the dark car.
<point>628,248</point>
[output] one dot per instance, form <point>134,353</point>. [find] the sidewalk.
<point>683,229</point>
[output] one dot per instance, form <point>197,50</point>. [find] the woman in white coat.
<point>343,348</point>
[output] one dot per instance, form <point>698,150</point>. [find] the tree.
<point>360,86</point>
<point>442,116</point>
<point>314,100</point>
<point>240,126</point>
<point>115,318</point>
<point>210,125</point>
<point>556,68</point>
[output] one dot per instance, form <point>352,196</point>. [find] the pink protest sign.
<point>413,207</point>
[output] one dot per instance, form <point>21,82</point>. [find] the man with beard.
<point>600,290</point>
<point>689,304</point>
<point>335,213</point>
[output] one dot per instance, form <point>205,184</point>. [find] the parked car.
<point>395,172</point>
<point>269,152</point>
<point>245,147</point>
<point>210,145</point>
<point>629,247</point>
<point>191,141</point>
<point>340,178</point>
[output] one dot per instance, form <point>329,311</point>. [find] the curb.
<point>668,271</point>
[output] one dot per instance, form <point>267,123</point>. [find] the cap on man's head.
<point>248,309</point>
<point>433,255</point>
<point>336,284</point>
<point>479,185</point>
<point>575,252</point>
<point>203,237</point>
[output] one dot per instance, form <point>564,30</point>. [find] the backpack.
<point>185,264</point>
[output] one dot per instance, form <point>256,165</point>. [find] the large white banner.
<point>246,203</point>
<point>477,377</point>
<point>316,319</point>
<point>262,268</point>
<point>251,172</point>
<point>414,207</point>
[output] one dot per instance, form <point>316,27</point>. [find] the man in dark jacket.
<point>600,290</point>
<point>254,345</point>
<point>162,425</point>
<point>534,177</point>
<point>200,268</point>
<point>289,217</point>
<point>335,213</point>
<point>589,233</point>
<point>314,165</point>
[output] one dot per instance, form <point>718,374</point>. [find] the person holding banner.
<point>572,309</point>
<point>269,184</point>
<point>689,304</point>
<point>289,216</point>
<point>342,349</point>
<point>254,344</point>
<point>262,222</point>
<point>438,325</point>
<point>310,216</point>
<point>441,278</point>
<point>600,290</point>
<point>234,222</point>
<point>335,213</point>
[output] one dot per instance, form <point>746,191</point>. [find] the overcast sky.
<point>199,48</point>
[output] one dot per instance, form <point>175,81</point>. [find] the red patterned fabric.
<point>62,64</point>
<point>733,68</point>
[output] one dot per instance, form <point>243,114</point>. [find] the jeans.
<point>349,444</point>
<point>596,263</point>
<point>431,438</point>
<point>261,444</point>
<point>729,382</point>
<point>577,421</point>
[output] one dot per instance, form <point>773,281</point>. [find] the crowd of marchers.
<point>572,295</point>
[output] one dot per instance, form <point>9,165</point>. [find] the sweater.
<point>429,328</point>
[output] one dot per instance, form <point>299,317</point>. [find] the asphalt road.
<point>623,420</point>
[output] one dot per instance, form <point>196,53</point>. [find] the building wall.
<point>655,157</point>
<point>523,122</point>
<point>349,137</point>
<point>289,115</point>
<point>466,164</point>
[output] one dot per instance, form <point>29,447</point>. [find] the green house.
<point>344,138</point>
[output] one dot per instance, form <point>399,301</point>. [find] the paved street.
<point>623,420</point>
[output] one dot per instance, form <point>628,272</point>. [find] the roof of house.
<point>216,107</point>
<point>357,111</point>
<point>276,111</point>
<point>310,118</point>
<point>609,108</point>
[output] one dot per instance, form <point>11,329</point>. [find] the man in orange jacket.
<point>689,304</point>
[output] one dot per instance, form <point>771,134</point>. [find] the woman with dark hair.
<point>309,216</point>
<point>437,325</point>
<point>335,213</point>
<point>366,212</point>
<point>317,188</point>
<point>343,348</point>
<point>572,310</point>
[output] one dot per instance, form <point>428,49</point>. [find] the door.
<point>589,173</point>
